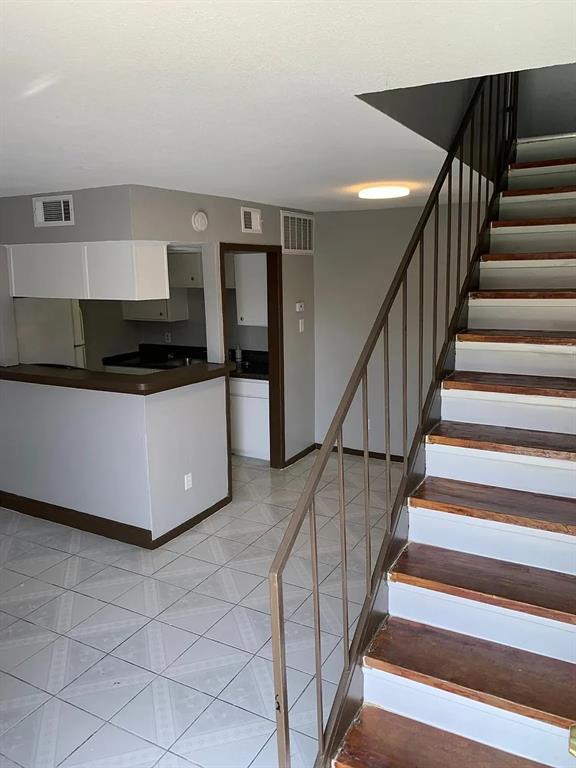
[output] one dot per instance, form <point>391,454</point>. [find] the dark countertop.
<point>170,356</point>
<point>249,375</point>
<point>126,383</point>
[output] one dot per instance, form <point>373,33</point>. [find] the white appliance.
<point>50,331</point>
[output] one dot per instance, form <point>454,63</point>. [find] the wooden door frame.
<point>275,338</point>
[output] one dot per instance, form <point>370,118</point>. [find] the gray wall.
<point>102,213</point>
<point>299,373</point>
<point>8,340</point>
<point>547,101</point>
<point>164,214</point>
<point>357,255</point>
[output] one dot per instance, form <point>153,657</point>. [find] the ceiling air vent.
<point>251,220</point>
<point>297,232</point>
<point>54,211</point>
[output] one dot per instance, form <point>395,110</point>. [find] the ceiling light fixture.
<point>383,193</point>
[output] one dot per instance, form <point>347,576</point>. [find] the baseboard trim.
<point>111,529</point>
<point>359,452</point>
<point>300,455</point>
<point>186,526</point>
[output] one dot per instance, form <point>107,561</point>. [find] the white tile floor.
<point>114,655</point>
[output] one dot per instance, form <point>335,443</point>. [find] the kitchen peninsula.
<point>136,457</point>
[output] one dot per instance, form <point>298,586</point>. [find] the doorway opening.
<point>253,339</point>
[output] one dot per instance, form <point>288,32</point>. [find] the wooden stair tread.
<point>518,681</point>
<point>519,256</point>
<point>485,437</point>
<point>543,163</point>
<point>381,739</point>
<point>511,383</point>
<point>524,293</point>
<point>553,221</point>
<point>504,505</point>
<point>509,336</point>
<point>538,191</point>
<point>517,587</point>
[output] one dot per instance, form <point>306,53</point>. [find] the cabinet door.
<point>126,269</point>
<point>48,271</point>
<point>249,418</point>
<point>185,270</point>
<point>158,310</point>
<point>251,288</point>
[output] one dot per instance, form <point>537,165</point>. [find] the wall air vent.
<point>297,232</point>
<point>251,220</point>
<point>53,211</point>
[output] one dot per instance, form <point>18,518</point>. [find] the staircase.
<point>475,665</point>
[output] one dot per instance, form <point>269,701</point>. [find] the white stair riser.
<point>530,359</point>
<point>537,206</point>
<point>523,314</point>
<point>500,409</point>
<point>538,178</point>
<point>546,148</point>
<point>531,239</point>
<point>538,275</point>
<point>505,470</point>
<point>489,538</point>
<point>488,622</point>
<point>508,731</point>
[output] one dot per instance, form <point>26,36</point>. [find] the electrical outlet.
<point>188,481</point>
<point>299,306</point>
<point>168,337</point>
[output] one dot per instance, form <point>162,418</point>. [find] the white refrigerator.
<point>50,331</point>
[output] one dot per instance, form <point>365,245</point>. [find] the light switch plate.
<point>301,325</point>
<point>188,481</point>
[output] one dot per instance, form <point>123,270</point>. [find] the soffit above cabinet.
<point>124,269</point>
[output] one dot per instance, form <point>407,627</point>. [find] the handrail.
<point>499,138</point>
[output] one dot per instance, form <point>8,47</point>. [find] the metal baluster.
<point>480,167</point>
<point>496,170</point>
<point>343,550</point>
<point>280,683</point>
<point>366,482</point>
<point>448,251</point>
<point>405,371</point>
<point>459,264</point>
<point>387,427</point>
<point>420,326</point>
<point>470,190</point>
<point>489,144</point>
<point>435,297</point>
<point>317,633</point>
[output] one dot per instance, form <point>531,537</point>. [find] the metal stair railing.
<point>440,258</point>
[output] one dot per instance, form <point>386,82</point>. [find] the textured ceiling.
<point>247,99</point>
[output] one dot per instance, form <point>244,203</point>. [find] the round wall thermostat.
<point>199,221</point>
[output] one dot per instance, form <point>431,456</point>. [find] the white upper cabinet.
<point>125,269</point>
<point>48,270</point>
<point>160,310</point>
<point>185,269</point>
<point>251,288</point>
<point>131,270</point>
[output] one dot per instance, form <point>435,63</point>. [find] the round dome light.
<point>383,193</point>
